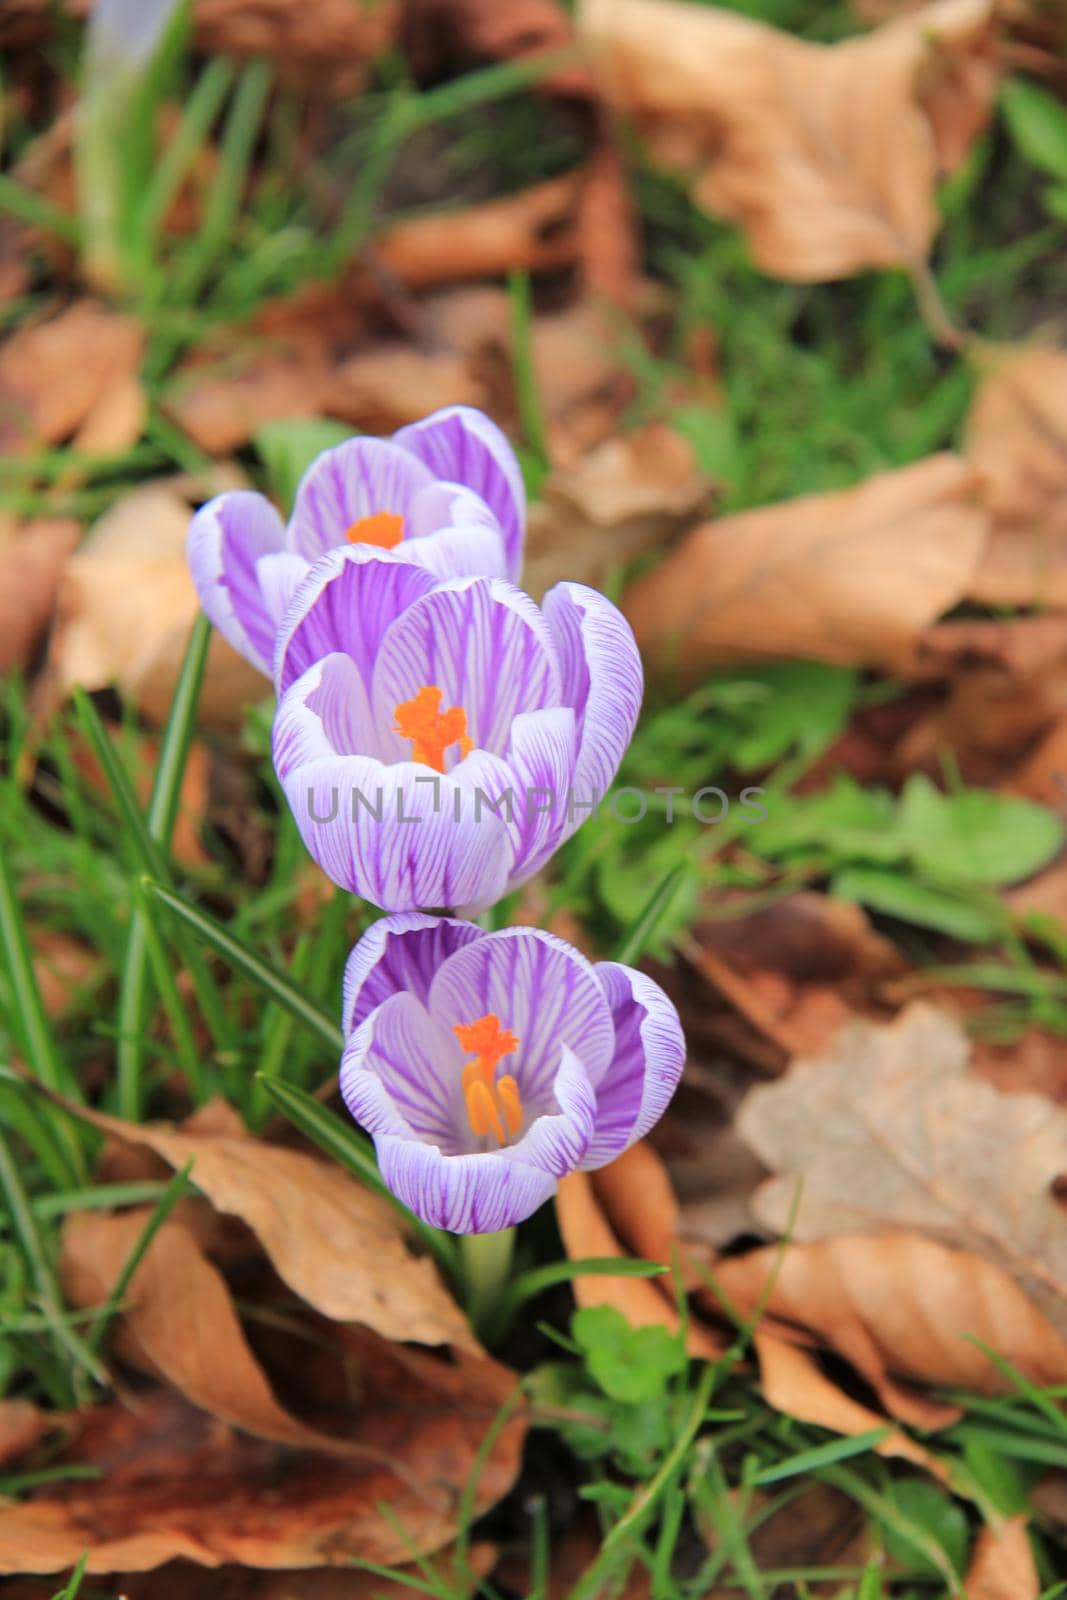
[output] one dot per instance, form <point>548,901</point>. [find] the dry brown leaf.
<point>442,37</point>
<point>898,1305</point>
<point>116,421</point>
<point>32,558</point>
<point>1002,1564</point>
<point>62,966</point>
<point>54,373</point>
<point>793,1383</point>
<point>21,1425</point>
<point>889,1130</point>
<point>534,228</point>
<point>853,576</point>
<point>176,1484</point>
<point>125,607</point>
<point>825,154</point>
<point>627,497</point>
<point>586,1232</point>
<point>339,1247</point>
<point>221,404</point>
<point>179,1322</point>
<point>1017,441</point>
<point>385,386</point>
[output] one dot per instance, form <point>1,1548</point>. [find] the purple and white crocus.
<point>445,492</point>
<point>438,740</point>
<point>486,1066</point>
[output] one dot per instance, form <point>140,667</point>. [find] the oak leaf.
<point>827,155</point>
<point>854,576</point>
<point>888,1130</point>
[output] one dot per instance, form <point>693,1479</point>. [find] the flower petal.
<point>648,1061</point>
<point>402,1050</point>
<point>483,643</point>
<point>353,480</point>
<point>465,1194</point>
<point>465,446</point>
<point>347,602</point>
<point>470,549</point>
<point>325,714</point>
<point>602,679</point>
<point>399,953</point>
<point>557,1141</point>
<point>541,988</point>
<point>399,835</point>
<point>227,539</point>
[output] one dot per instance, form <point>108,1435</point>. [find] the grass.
<point>822,385</point>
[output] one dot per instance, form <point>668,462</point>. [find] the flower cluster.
<point>424,701</point>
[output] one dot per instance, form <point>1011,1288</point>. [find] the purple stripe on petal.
<point>347,602</point>
<point>227,538</point>
<point>541,988</point>
<point>484,644</point>
<point>541,758</point>
<point>649,1057</point>
<point>399,953</point>
<point>353,480</point>
<point>467,447</point>
<point>420,1067</point>
<point>602,679</point>
<point>465,1194</point>
<point>324,715</point>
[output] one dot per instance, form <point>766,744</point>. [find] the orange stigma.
<point>430,729</point>
<point>493,1104</point>
<point>383,528</point>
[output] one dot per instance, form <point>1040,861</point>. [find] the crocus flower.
<point>446,491</point>
<point>486,1066</point>
<point>437,741</point>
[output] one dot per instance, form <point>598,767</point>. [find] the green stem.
<point>486,1260</point>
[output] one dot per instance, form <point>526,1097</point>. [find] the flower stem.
<point>486,1259</point>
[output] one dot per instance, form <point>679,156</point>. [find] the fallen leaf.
<point>327,44</point>
<point>853,577</point>
<point>793,1383</point>
<point>53,373</point>
<point>63,967</point>
<point>896,1305</point>
<point>1017,440</point>
<point>32,557</point>
<point>889,1130</point>
<point>337,1245</point>
<point>116,421</point>
<point>220,404</point>
<point>22,1424</point>
<point>1002,1564</point>
<point>442,37</point>
<point>827,155</point>
<point>628,496</point>
<point>533,229</point>
<point>179,1322</point>
<point>125,606</point>
<point>381,388</point>
<point>176,1484</point>
<point>608,244</point>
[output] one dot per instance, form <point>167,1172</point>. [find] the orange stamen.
<point>491,1105</point>
<point>383,528</point>
<point>430,729</point>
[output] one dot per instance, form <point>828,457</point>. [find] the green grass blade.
<point>203,106</point>
<point>527,1284</point>
<point>167,1201</point>
<point>822,1455</point>
<point>242,959</point>
<point>177,737</point>
<point>640,936</point>
<point>355,1151</point>
<point>28,1019</point>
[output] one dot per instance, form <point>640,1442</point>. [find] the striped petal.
<point>465,446</point>
<point>646,1066</point>
<point>395,954</point>
<point>484,644</point>
<point>348,601</point>
<point>539,987</point>
<point>228,539</point>
<point>356,479</point>
<point>403,1051</point>
<point>602,680</point>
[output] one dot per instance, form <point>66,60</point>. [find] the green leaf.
<point>976,836</point>
<point>629,1364</point>
<point>843,822</point>
<point>1037,122</point>
<point>931,1511</point>
<point>897,895</point>
<point>807,704</point>
<point>287,448</point>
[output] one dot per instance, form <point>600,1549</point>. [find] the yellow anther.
<point>383,528</point>
<point>492,1104</point>
<point>430,729</point>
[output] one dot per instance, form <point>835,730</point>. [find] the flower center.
<point>492,1103</point>
<point>383,528</point>
<point>432,730</point>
